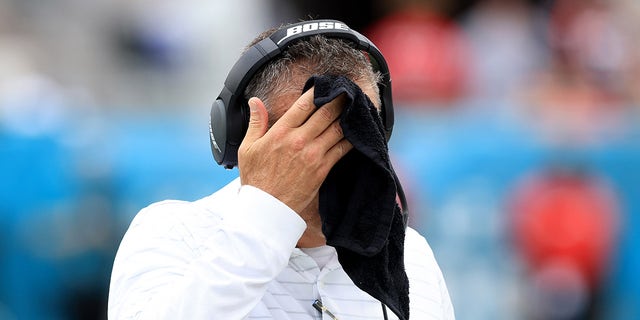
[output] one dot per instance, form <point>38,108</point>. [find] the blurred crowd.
<point>516,138</point>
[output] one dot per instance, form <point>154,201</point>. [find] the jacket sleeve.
<point>429,296</point>
<point>179,260</point>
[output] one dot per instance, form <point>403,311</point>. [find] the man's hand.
<point>292,158</point>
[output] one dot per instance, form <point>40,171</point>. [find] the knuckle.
<point>304,105</point>
<point>242,149</point>
<point>310,155</point>
<point>325,113</point>
<point>337,129</point>
<point>243,153</point>
<point>341,151</point>
<point>276,133</point>
<point>298,143</point>
<point>342,148</point>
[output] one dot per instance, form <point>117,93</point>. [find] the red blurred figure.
<point>581,97</point>
<point>564,224</point>
<point>426,53</point>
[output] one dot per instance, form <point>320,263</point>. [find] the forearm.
<point>225,273</point>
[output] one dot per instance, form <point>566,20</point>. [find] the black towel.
<point>360,216</point>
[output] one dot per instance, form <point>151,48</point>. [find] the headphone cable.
<point>384,311</point>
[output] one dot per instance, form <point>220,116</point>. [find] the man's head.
<point>277,64</point>
<point>282,79</point>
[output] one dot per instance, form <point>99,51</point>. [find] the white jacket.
<point>232,255</point>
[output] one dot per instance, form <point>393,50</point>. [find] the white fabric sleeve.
<point>428,291</point>
<point>177,261</point>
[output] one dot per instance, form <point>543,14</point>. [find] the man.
<point>256,248</point>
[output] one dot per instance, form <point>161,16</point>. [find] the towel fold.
<point>360,216</point>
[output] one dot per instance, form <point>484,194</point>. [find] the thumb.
<point>258,120</point>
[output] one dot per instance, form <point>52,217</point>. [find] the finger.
<point>258,120</point>
<point>323,118</point>
<point>336,153</point>
<point>331,135</point>
<point>299,111</point>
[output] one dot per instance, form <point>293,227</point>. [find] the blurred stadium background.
<point>516,138</point>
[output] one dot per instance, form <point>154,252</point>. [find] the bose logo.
<point>213,138</point>
<point>312,26</point>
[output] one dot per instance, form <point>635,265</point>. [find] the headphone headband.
<point>229,112</point>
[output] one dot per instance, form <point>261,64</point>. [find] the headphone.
<point>230,111</point>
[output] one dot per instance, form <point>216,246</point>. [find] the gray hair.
<point>317,55</point>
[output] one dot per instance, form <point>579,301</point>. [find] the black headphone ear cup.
<point>218,131</point>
